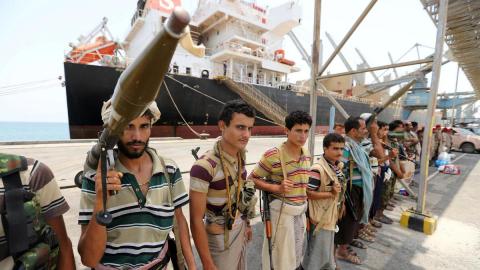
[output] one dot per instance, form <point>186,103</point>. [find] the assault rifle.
<point>265,211</point>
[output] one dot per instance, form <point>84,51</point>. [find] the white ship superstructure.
<point>243,40</point>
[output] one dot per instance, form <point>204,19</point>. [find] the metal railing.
<point>260,101</point>
<point>139,14</point>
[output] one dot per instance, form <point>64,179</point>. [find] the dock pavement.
<point>453,198</point>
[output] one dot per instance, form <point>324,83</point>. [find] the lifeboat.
<point>279,56</point>
<point>92,52</point>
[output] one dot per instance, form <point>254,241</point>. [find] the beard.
<point>122,147</point>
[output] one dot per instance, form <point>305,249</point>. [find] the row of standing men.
<point>313,212</point>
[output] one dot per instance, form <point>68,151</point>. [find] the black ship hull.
<point>88,86</point>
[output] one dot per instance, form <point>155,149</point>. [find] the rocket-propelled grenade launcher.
<point>136,89</point>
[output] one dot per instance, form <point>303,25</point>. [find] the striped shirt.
<point>207,176</point>
<point>269,168</point>
<point>140,224</point>
<point>315,180</point>
<point>39,179</point>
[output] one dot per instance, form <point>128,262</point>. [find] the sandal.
<point>358,244</point>
<point>372,228</point>
<point>365,237</point>
<point>349,258</point>
<point>376,223</point>
<point>368,230</point>
<point>351,251</point>
<point>384,219</point>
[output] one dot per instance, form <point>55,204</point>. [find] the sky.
<point>35,35</point>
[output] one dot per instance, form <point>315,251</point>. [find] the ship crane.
<point>94,47</point>
<point>340,54</point>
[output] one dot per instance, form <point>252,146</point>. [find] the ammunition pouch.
<point>248,200</point>
<point>29,240</point>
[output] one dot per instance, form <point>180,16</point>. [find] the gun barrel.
<point>140,83</point>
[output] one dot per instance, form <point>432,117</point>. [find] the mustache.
<point>135,142</point>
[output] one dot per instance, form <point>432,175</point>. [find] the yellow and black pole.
<point>419,219</point>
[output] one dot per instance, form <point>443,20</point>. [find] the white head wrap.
<point>107,110</point>
<point>365,116</point>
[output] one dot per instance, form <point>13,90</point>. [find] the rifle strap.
<point>180,259</point>
<point>16,218</point>
<point>350,170</point>
<point>284,171</point>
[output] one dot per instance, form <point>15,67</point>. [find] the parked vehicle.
<point>465,140</point>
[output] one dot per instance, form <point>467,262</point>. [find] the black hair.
<point>235,106</point>
<point>297,117</point>
<point>352,123</point>
<point>332,138</point>
<point>148,114</point>
<point>394,124</point>
<point>414,124</point>
<point>381,124</point>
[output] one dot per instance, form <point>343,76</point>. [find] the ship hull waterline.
<point>88,86</point>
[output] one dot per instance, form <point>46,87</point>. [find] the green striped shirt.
<point>140,224</point>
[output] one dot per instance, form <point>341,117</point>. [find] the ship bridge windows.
<point>188,70</point>
<point>175,68</point>
<point>206,74</point>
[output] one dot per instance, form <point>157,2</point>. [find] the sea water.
<point>33,131</point>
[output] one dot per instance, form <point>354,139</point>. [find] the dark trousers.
<point>350,223</point>
<point>377,193</point>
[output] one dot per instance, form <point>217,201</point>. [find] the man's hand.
<point>285,187</point>
<point>249,233</point>
<point>336,189</point>
<point>373,128</point>
<point>393,153</point>
<point>113,181</point>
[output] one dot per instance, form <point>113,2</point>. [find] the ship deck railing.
<point>139,14</point>
<point>240,48</point>
<point>297,89</point>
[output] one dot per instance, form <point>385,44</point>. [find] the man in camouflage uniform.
<point>45,244</point>
<point>394,142</point>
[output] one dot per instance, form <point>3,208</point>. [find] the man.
<point>379,175</point>
<point>435,145</point>
<point>359,175</point>
<point>380,202</point>
<point>32,247</point>
<point>283,173</point>
<point>410,144</point>
<point>446,143</point>
<point>395,136</point>
<point>339,129</point>
<point>143,210</point>
<point>418,146</point>
<point>411,140</point>
<point>220,195</point>
<point>324,198</point>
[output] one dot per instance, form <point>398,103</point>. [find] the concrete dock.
<point>453,198</point>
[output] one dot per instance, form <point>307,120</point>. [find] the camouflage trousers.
<point>388,191</point>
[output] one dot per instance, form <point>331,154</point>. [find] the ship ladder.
<point>258,100</point>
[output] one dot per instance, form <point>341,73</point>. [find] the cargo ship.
<point>244,58</point>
